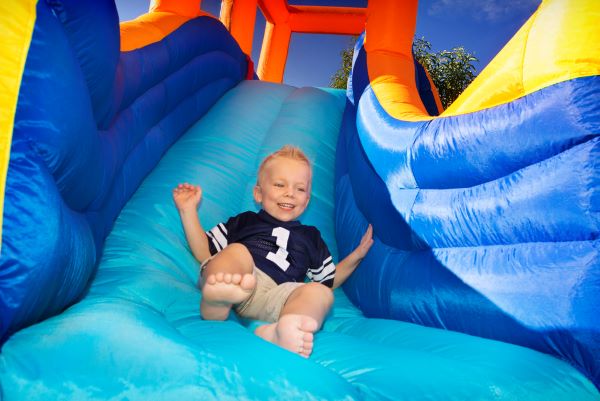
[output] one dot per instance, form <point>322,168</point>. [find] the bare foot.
<point>292,332</point>
<point>221,290</point>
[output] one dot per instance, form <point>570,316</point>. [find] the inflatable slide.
<point>484,279</point>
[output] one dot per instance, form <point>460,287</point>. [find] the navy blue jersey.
<point>286,251</point>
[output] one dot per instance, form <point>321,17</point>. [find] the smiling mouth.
<point>286,206</point>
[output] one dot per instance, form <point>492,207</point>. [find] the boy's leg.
<point>226,280</point>
<point>301,316</point>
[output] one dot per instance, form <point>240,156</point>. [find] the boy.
<point>259,260</point>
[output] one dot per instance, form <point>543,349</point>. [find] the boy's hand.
<point>365,243</point>
<point>345,268</point>
<point>187,196</point>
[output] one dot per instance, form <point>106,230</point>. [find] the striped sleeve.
<point>217,238</point>
<point>227,233</point>
<point>324,270</point>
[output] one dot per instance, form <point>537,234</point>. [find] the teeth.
<point>286,205</point>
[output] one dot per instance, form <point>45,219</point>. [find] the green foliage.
<point>450,70</point>
<point>339,80</point>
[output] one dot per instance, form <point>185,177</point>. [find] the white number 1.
<point>282,236</point>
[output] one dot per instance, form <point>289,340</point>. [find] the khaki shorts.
<point>267,299</point>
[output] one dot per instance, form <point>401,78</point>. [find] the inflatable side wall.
<point>486,217</point>
<point>91,122</point>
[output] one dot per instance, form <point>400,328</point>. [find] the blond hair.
<point>287,151</point>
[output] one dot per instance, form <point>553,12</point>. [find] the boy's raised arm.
<point>187,197</point>
<point>345,268</point>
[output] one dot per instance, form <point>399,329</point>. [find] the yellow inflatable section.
<point>522,67</point>
<point>14,45</point>
<point>538,56</point>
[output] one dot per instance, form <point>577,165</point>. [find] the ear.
<point>257,194</point>
<point>307,200</point>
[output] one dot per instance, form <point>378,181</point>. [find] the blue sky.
<point>481,27</point>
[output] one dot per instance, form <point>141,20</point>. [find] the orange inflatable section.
<point>239,16</point>
<point>283,20</point>
<point>389,58</point>
<point>186,8</point>
<point>164,17</point>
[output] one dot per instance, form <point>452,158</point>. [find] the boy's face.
<point>284,188</point>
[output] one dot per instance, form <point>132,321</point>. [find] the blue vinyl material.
<point>98,55</point>
<point>137,334</point>
<point>489,220</point>
<point>68,178</point>
<point>99,298</point>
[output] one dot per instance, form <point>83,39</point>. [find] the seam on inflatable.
<point>258,157</point>
<point>98,206</point>
<point>592,241</point>
<point>158,79</point>
<point>523,55</point>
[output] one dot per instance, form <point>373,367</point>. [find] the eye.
<point>278,185</point>
<point>301,189</point>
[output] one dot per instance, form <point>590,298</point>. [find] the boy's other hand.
<point>347,266</point>
<point>187,196</point>
<point>365,243</point>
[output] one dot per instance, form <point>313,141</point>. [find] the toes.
<point>236,278</point>
<point>248,282</point>
<point>307,347</point>
<point>305,352</point>
<point>211,279</point>
<point>307,338</point>
<point>308,324</point>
